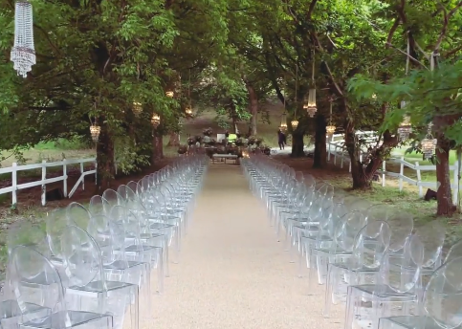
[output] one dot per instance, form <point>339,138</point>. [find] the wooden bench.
<point>224,156</point>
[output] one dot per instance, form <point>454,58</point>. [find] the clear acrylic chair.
<point>368,255</point>
<point>88,288</point>
<point>441,307</point>
<point>396,292</point>
<point>26,267</point>
<point>78,214</point>
<point>98,205</point>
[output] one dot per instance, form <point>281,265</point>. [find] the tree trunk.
<point>174,139</point>
<point>253,104</point>
<point>297,145</point>
<point>320,149</point>
<point>105,160</point>
<point>443,177</point>
<point>157,147</point>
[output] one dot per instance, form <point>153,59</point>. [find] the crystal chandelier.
<point>137,108</point>
<point>294,123</point>
<point>169,93</point>
<point>155,120</point>
<point>23,52</point>
<point>428,144</point>
<point>95,131</point>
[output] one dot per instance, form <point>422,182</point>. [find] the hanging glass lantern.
<point>405,128</point>
<point>170,93</point>
<point>137,108</point>
<point>23,52</point>
<point>189,110</point>
<point>311,104</point>
<point>374,96</point>
<point>283,125</point>
<point>294,123</point>
<point>330,130</point>
<point>155,120</point>
<point>428,146</point>
<point>95,131</point>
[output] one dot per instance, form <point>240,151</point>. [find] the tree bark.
<point>320,150</point>
<point>104,159</point>
<point>253,105</point>
<point>157,147</point>
<point>174,139</point>
<point>443,177</point>
<point>297,145</point>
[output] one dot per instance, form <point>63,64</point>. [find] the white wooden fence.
<point>337,154</point>
<point>44,181</point>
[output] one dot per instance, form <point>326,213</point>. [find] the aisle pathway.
<point>233,274</point>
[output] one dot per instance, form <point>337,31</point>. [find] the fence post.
<point>401,173</point>
<point>44,187</point>
<point>14,183</point>
<point>328,151</point>
<point>384,170</point>
<point>65,178</point>
<point>81,173</point>
<point>96,172</point>
<point>419,179</point>
<point>455,196</point>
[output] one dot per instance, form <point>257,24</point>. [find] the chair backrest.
<point>443,296</point>
<point>346,231</point>
<point>432,236</point>
<point>403,273</point>
<point>370,245</point>
<point>133,186</point>
<point>27,265</point>
<point>82,256</point>
<point>454,252</point>
<point>112,197</point>
<point>78,215</point>
<point>98,205</point>
<point>56,224</point>
<point>401,225</point>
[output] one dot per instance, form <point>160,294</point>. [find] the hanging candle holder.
<point>23,52</point>
<point>294,123</point>
<point>283,125</point>
<point>155,120</point>
<point>170,93</point>
<point>95,131</point>
<point>305,103</point>
<point>330,129</point>
<point>311,107</point>
<point>189,111</point>
<point>405,129</point>
<point>428,145</point>
<point>137,108</point>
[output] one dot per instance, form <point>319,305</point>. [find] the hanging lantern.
<point>405,128</point>
<point>283,125</point>
<point>169,93</point>
<point>23,52</point>
<point>305,103</point>
<point>95,131</point>
<point>428,146</point>
<point>330,130</point>
<point>189,111</point>
<point>374,96</point>
<point>155,120</point>
<point>294,123</point>
<point>137,108</point>
<point>311,104</point>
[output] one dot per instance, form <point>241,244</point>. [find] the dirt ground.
<point>233,273</point>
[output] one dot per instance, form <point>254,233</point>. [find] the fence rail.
<point>44,181</point>
<point>337,154</point>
